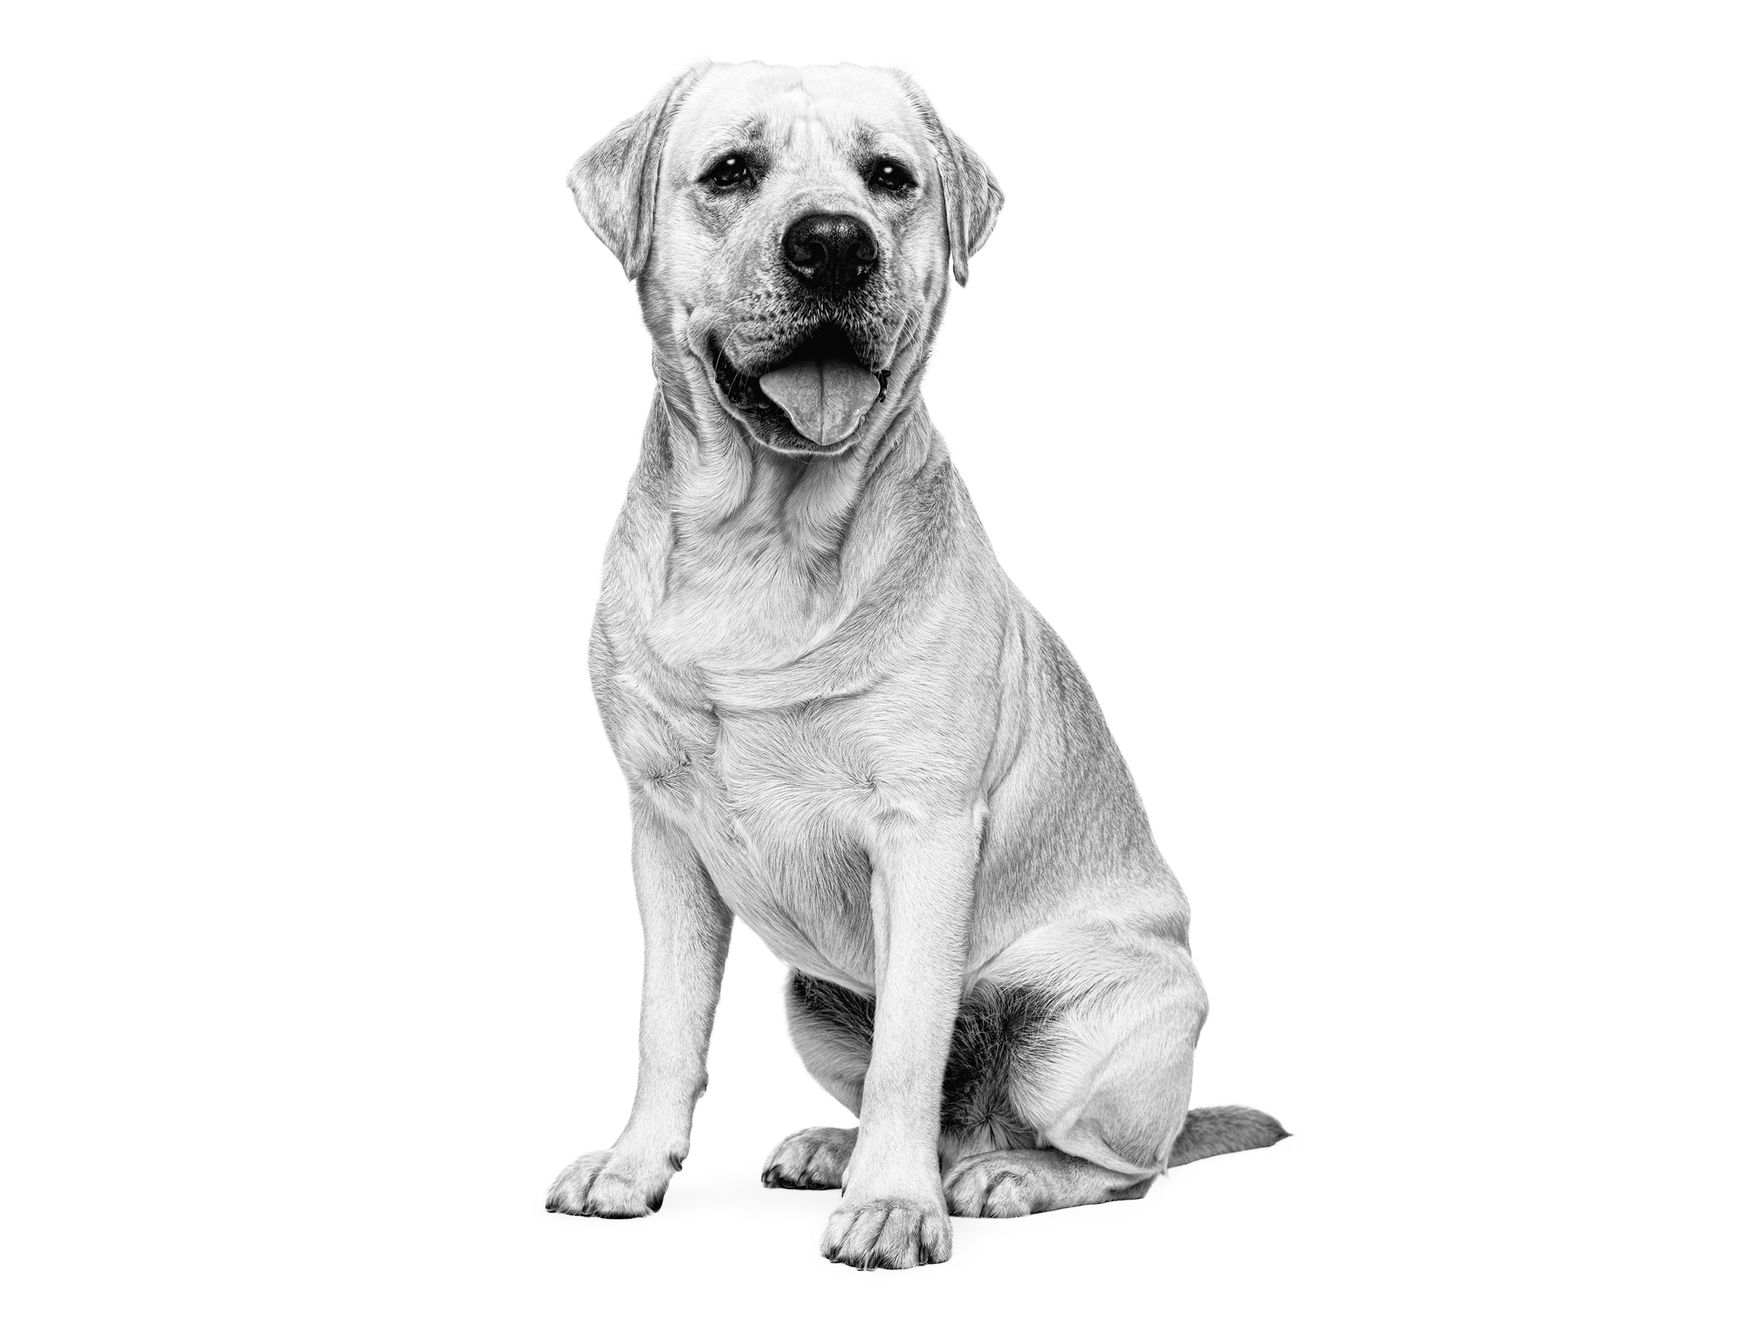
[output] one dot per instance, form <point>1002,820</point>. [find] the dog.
<point>839,719</point>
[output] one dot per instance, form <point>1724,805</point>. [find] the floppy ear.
<point>617,183</point>
<point>971,199</point>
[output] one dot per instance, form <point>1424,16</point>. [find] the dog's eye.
<point>730,172</point>
<point>890,176</point>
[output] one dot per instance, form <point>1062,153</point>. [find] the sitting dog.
<point>839,719</point>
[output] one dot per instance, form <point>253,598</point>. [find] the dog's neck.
<point>715,480</point>
<point>766,556</point>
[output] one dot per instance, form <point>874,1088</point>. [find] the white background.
<point>1368,394</point>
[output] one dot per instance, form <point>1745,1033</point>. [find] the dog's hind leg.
<point>1007,1183</point>
<point>1105,1099</point>
<point>1102,1081</point>
<point>833,1028</point>
<point>1059,1092</point>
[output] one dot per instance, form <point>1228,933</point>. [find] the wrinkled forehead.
<point>797,116</point>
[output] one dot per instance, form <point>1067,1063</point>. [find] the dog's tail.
<point>1222,1131</point>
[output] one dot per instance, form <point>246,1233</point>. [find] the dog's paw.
<point>604,1186</point>
<point>989,1186</point>
<point>813,1159</point>
<point>888,1233</point>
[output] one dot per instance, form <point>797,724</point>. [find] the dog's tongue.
<point>824,399</point>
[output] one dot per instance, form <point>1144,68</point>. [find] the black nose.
<point>830,253</point>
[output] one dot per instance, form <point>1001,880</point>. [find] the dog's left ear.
<point>971,198</point>
<point>617,183</point>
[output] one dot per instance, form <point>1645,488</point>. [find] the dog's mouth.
<point>817,394</point>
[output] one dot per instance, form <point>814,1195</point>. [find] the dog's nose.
<point>830,253</point>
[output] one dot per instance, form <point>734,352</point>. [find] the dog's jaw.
<point>770,422</point>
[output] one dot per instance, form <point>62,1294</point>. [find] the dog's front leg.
<point>685,929</point>
<point>894,1214</point>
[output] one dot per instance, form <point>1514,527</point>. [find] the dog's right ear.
<point>617,183</point>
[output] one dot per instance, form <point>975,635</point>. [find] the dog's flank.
<point>838,718</point>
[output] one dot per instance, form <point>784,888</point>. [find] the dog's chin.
<point>821,381</point>
<point>773,432</point>
<point>781,438</point>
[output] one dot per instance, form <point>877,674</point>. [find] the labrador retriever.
<point>839,719</point>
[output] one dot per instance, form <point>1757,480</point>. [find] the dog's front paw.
<point>606,1186</point>
<point>888,1233</point>
<point>813,1159</point>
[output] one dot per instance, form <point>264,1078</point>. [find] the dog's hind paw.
<point>988,1189</point>
<point>1004,1184</point>
<point>604,1186</point>
<point>813,1159</point>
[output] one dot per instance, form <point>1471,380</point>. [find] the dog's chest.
<point>776,800</point>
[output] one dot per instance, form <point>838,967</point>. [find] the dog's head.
<point>791,232</point>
